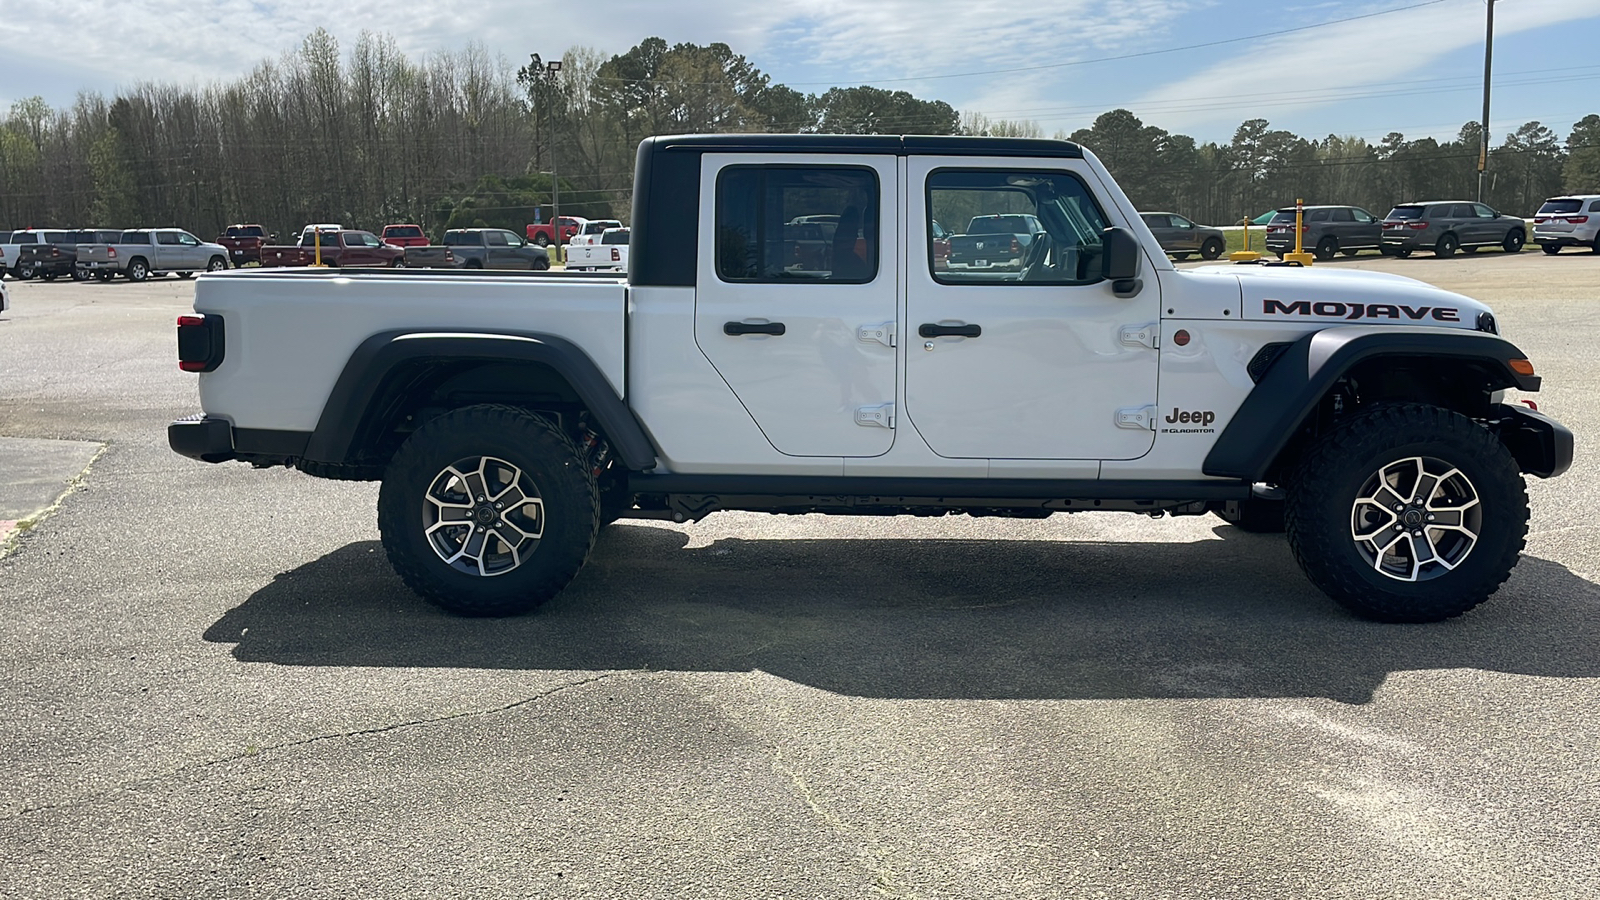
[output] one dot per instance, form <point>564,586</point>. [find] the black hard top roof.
<point>899,145</point>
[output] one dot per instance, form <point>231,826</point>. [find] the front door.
<point>797,295</point>
<point>1035,359</point>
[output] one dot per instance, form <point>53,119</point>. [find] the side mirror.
<point>1119,261</point>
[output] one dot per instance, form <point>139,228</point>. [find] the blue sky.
<point>1414,70</point>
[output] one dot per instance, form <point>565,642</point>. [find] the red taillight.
<point>1540,220</point>
<point>200,343</point>
<point>616,255</point>
<point>1577,220</point>
<point>1419,226</point>
<point>111,252</point>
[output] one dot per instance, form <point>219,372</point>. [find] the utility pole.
<point>548,71</point>
<point>1488,59</point>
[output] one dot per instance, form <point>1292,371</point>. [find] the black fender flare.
<point>345,412</point>
<point>1293,385</point>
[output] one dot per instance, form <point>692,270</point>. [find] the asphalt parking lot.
<point>215,686</point>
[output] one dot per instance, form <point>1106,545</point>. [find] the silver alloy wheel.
<point>483,516</point>
<point>1416,519</point>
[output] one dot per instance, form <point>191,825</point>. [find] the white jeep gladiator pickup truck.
<point>741,366</point>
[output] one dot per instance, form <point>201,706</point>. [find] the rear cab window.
<point>1021,226</point>
<point>758,209</point>
<point>1406,212</point>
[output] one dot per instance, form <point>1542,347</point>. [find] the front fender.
<point>1288,393</point>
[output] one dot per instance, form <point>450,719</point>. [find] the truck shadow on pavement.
<point>930,619</point>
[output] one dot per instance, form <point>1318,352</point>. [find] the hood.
<point>1328,294</point>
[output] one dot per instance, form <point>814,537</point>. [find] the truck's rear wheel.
<point>1407,513</point>
<point>488,511</point>
<point>138,270</point>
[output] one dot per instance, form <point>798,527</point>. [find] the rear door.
<point>806,341</point>
<point>1038,362</point>
<point>497,250</point>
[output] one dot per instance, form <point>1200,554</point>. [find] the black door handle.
<point>931,330</point>
<point>750,328</point>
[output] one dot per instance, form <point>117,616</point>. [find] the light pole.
<point>1488,58</point>
<point>550,70</point>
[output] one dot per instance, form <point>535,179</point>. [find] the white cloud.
<point>1373,53</point>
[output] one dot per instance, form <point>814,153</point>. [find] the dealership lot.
<point>216,686</point>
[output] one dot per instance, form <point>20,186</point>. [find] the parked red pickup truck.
<point>544,234</point>
<point>244,243</point>
<point>339,249</point>
<point>405,236</point>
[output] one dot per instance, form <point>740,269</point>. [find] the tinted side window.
<point>1317,215</point>
<point>1595,206</point>
<point>495,238</point>
<point>1462,211</point>
<point>1052,227</point>
<point>1341,215</point>
<point>167,238</point>
<point>757,206</point>
<point>458,239</point>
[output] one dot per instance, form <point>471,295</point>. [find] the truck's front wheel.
<point>488,511</point>
<point>1407,513</point>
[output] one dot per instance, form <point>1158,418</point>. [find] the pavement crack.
<point>253,752</point>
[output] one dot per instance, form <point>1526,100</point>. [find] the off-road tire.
<point>1321,512</point>
<point>1447,246</point>
<point>1513,242</point>
<point>1550,249</point>
<point>138,270</point>
<point>568,519</point>
<point>1212,249</point>
<point>1326,248</point>
<point>1256,515</point>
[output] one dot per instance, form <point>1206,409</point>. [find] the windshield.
<point>1405,212</point>
<point>402,231</point>
<point>239,231</point>
<point>1560,207</point>
<point>1284,217</point>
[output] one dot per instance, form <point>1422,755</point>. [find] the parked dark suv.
<point>1445,226</point>
<point>1181,237</point>
<point>1328,230</point>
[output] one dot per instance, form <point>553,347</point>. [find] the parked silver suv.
<point>1445,226</point>
<point>1328,230</point>
<point>1568,222</point>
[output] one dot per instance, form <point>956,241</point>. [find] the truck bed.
<point>290,332</point>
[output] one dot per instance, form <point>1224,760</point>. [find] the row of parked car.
<point>140,253</point>
<point>1443,227</point>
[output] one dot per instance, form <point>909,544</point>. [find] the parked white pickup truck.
<point>742,365</point>
<point>607,252</point>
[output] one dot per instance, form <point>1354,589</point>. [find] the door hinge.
<point>876,416</point>
<point>881,334</point>
<point>1141,335</point>
<point>1139,418</point>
